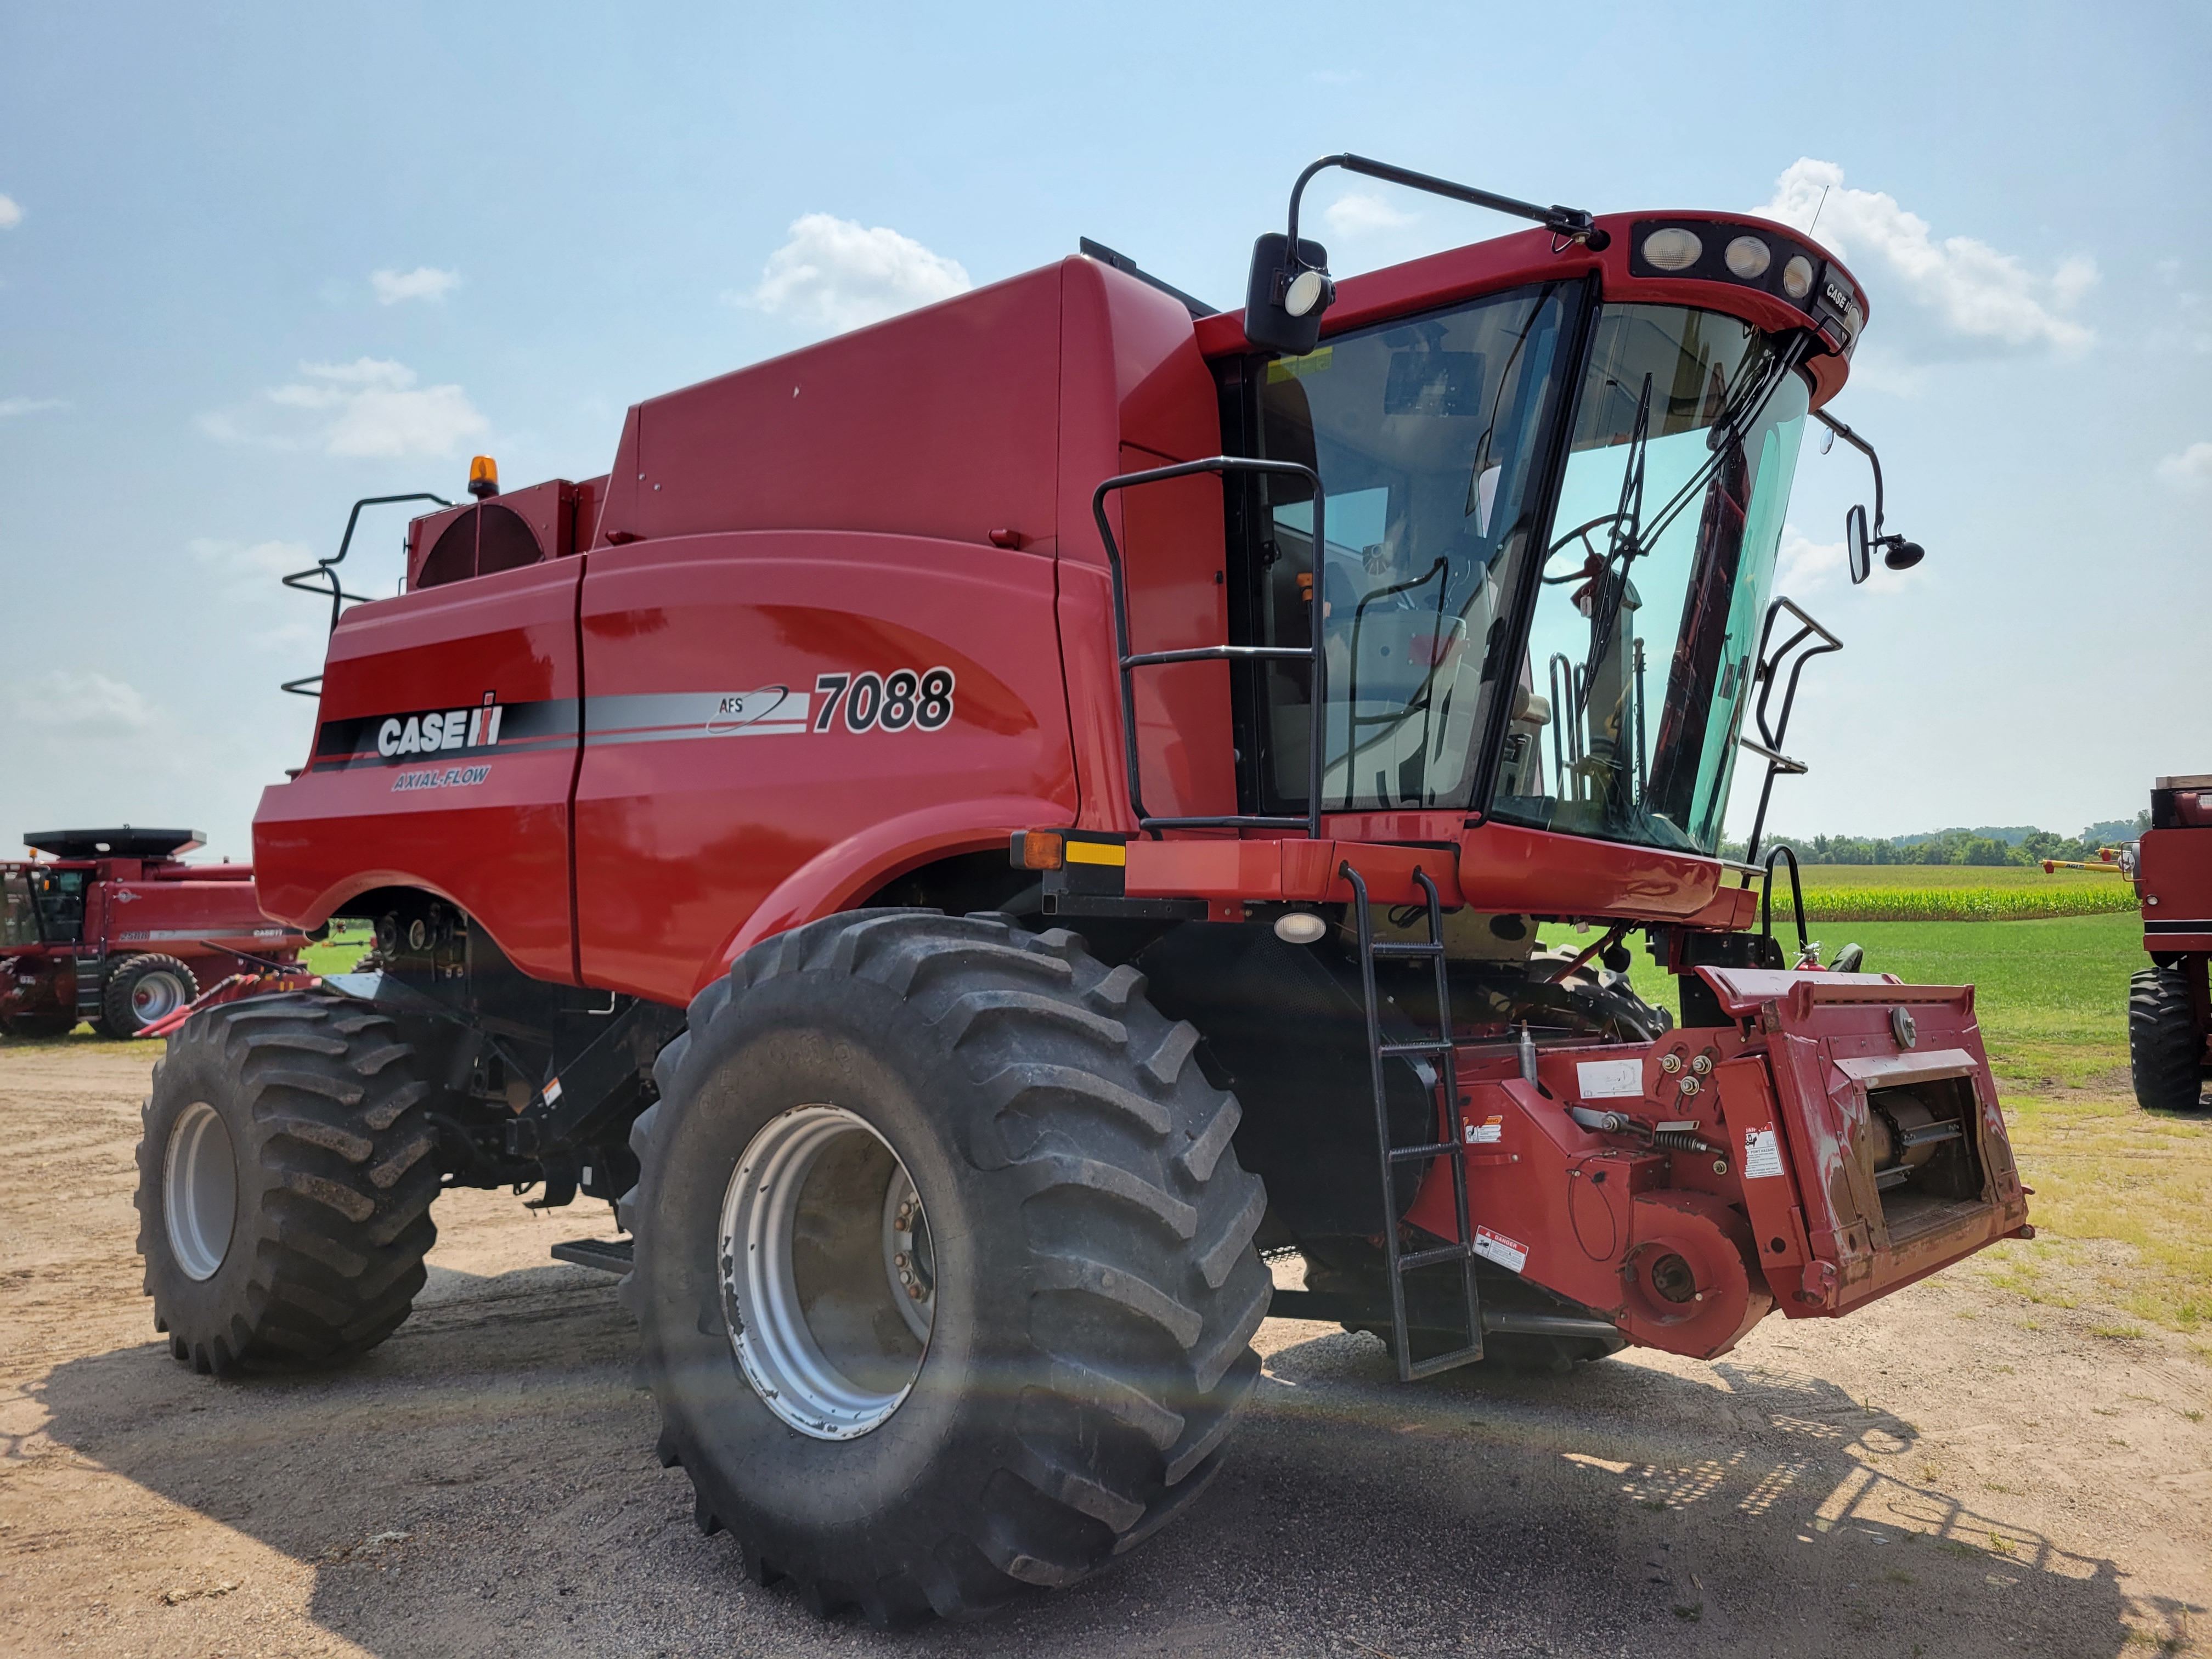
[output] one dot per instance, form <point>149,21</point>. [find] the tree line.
<point>1953,845</point>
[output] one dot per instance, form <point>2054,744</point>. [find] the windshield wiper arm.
<point>1624,543</point>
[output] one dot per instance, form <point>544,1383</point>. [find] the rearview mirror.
<point>1854,544</point>
<point>1284,298</point>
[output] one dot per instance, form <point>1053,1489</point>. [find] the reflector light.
<point>1672,249</point>
<point>1043,849</point>
<point>1749,257</point>
<point>1797,278</point>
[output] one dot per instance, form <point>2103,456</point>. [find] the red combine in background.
<point>2169,1016</point>
<point>113,926</point>
<point>972,830</point>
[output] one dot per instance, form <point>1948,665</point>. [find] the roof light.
<point>1672,249</point>
<point>1749,257</point>
<point>1797,278</point>
<point>483,476</point>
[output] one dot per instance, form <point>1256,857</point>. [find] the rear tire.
<point>2165,1047</point>
<point>1094,1287</point>
<point>141,990</point>
<point>285,1180</point>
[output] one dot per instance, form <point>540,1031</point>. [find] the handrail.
<point>1315,653</point>
<point>322,577</point>
<point>1770,665</point>
<point>1796,896</point>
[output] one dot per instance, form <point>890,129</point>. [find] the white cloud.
<point>62,701</point>
<point>259,563</point>
<point>10,215</point>
<point>1974,292</point>
<point>1803,563</point>
<point>2190,469</point>
<point>836,275</point>
<point>423,283</point>
<point>245,579</point>
<point>368,407</point>
<point>28,405</point>
<point>1360,214</point>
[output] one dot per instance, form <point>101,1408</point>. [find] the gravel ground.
<point>1954,1472</point>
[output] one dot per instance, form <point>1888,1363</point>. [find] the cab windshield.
<point>1427,436</point>
<point>1657,573</point>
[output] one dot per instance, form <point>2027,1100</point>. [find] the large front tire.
<point>1093,1287</point>
<point>285,1178</point>
<point>2166,1049</point>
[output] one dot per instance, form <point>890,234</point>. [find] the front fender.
<point>838,875</point>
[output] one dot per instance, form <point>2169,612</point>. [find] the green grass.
<point>2051,996</point>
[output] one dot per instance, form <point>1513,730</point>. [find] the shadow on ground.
<point>484,1483</point>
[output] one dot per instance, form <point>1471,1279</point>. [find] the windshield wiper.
<point>1624,543</point>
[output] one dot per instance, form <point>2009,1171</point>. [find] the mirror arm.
<point>1572,223</point>
<point>1873,460</point>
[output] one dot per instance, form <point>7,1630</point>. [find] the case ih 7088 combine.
<point>972,831</point>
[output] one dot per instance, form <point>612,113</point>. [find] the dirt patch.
<point>1959,1471</point>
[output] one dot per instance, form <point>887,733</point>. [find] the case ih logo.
<point>440,730</point>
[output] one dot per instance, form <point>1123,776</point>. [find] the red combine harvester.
<point>114,926</point>
<point>973,831</point>
<point>2169,1018</point>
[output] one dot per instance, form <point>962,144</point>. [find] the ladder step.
<point>1427,1046</point>
<point>1408,950</point>
<point>1430,1258</point>
<point>1445,1362</point>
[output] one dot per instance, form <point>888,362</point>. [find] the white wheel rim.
<point>827,1271</point>
<point>199,1190</point>
<point>155,997</point>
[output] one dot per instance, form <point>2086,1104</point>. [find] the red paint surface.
<point>499,850</point>
<point>682,841</point>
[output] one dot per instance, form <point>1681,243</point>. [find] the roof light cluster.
<point>1759,258</point>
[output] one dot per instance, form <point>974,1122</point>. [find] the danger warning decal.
<point>1493,1246</point>
<point>1762,1154</point>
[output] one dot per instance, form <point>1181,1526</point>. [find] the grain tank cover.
<point>123,843</point>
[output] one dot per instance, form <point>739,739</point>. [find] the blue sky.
<point>258,262</point>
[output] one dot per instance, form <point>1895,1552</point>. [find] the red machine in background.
<point>113,926</point>
<point>2169,1016</point>
<point>969,831</point>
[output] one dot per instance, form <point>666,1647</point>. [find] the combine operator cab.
<point>969,832</point>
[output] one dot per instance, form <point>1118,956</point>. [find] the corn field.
<point>1991,904</point>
